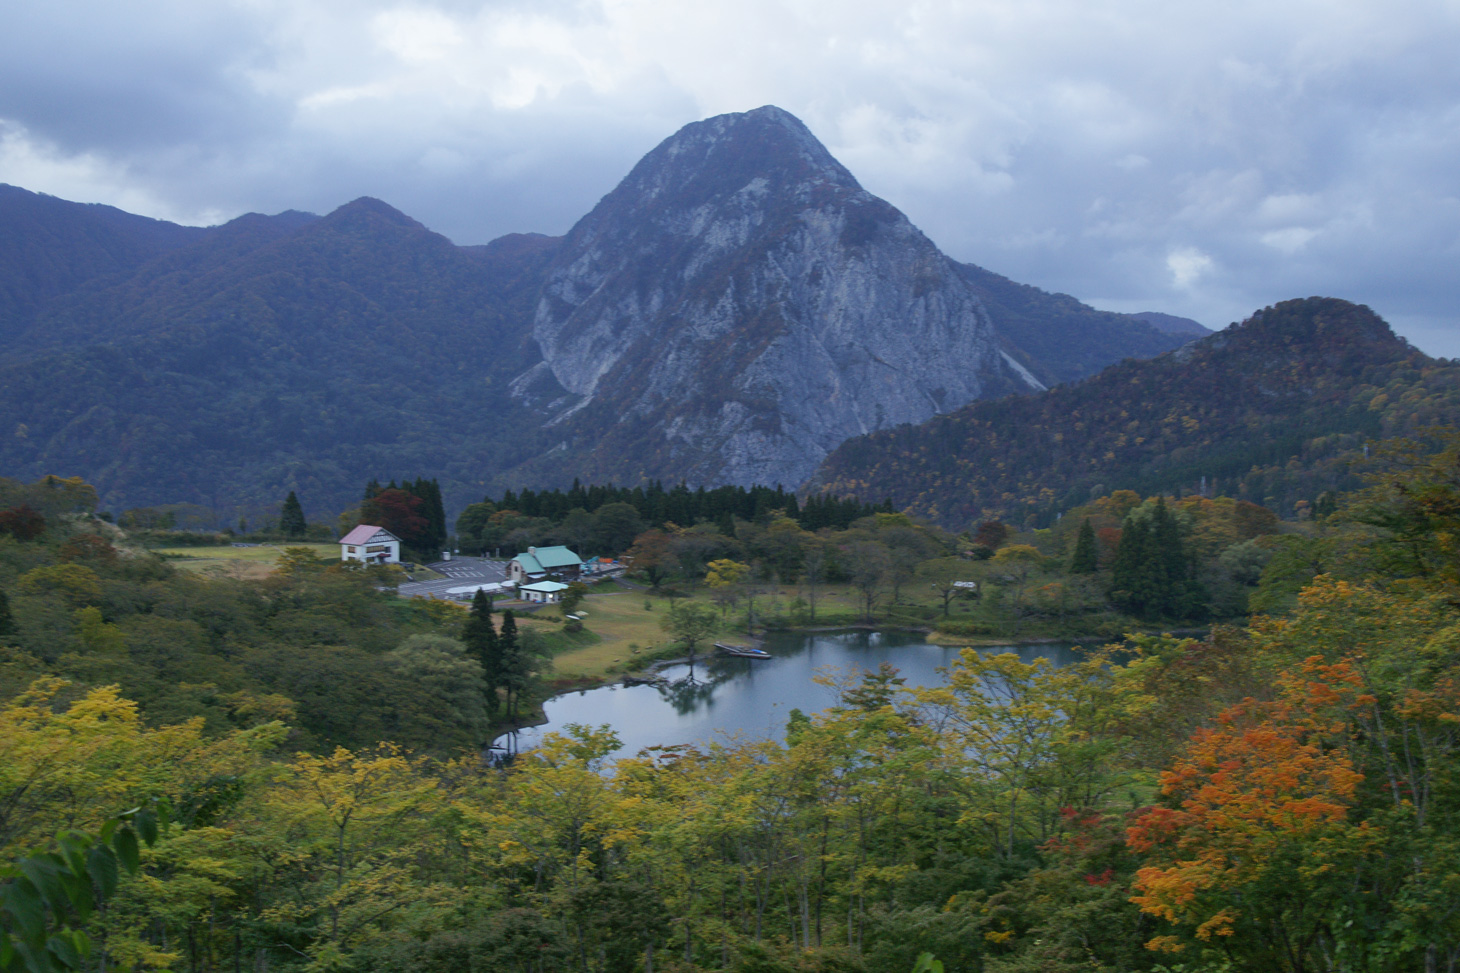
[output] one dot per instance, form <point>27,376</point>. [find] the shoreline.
<point>648,674</point>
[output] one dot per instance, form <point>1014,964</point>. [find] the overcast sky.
<point>1199,158</point>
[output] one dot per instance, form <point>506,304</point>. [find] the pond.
<point>724,696</point>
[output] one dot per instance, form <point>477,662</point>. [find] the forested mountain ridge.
<point>168,290</point>
<point>1064,339</point>
<point>50,246</point>
<point>1171,324</point>
<point>359,342</point>
<point>1272,410</point>
<point>763,307</point>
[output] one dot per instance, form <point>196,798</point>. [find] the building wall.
<point>367,552</point>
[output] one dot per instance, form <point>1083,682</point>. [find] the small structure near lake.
<point>370,544</point>
<point>542,592</point>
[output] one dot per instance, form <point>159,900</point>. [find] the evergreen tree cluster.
<point>681,505</point>
<point>508,661</point>
<point>1152,576</point>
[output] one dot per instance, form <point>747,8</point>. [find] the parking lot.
<point>462,575</point>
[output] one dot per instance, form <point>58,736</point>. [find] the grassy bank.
<point>625,636</point>
<point>622,630</point>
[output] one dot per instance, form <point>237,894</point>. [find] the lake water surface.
<point>724,696</point>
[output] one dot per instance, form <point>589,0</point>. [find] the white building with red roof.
<point>371,544</point>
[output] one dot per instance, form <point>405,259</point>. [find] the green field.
<point>243,562</point>
<point>630,634</point>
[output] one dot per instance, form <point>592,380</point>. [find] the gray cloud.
<point>1199,159</point>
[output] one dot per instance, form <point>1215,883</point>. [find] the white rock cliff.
<point>739,306</point>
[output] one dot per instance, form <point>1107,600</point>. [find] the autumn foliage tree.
<point>399,512</point>
<point>1318,823</point>
<point>1257,825</point>
<point>22,523</point>
<point>653,556</point>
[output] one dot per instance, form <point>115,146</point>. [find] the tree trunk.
<point>805,915</point>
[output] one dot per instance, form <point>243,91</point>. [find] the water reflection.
<point>688,692</point>
<point>723,696</point>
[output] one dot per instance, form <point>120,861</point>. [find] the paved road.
<point>460,572</point>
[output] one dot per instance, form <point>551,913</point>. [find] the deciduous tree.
<point>22,523</point>
<point>690,623</point>
<point>652,555</point>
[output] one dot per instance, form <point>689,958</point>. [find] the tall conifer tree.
<point>513,674</point>
<point>291,518</point>
<point>1085,559</point>
<point>483,645</point>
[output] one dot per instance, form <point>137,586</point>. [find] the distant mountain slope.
<point>1270,410</point>
<point>49,247</point>
<point>1063,338</point>
<point>1171,324</point>
<point>356,345</point>
<point>160,292</point>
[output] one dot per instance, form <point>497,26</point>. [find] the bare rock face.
<point>739,306</point>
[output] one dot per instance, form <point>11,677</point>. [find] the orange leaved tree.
<point>1253,854</point>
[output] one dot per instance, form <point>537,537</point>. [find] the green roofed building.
<point>544,563</point>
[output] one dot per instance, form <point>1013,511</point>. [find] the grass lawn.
<point>237,562</point>
<point>629,636</point>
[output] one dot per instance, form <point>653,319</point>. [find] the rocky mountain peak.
<point>738,305</point>
<point>768,148</point>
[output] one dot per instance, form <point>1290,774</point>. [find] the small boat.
<point>743,651</point>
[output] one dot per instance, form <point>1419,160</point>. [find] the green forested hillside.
<point>1064,340</point>
<point>50,247</point>
<point>277,357</point>
<point>1273,410</point>
<point>329,651</point>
